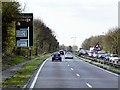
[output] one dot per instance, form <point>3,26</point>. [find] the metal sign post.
<point>30,48</point>
<point>28,38</point>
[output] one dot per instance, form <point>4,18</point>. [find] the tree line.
<point>44,39</point>
<point>110,42</point>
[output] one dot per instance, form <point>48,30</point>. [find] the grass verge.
<point>24,74</point>
<point>14,60</point>
<point>104,66</point>
<point>107,67</point>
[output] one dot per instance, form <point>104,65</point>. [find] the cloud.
<point>80,18</point>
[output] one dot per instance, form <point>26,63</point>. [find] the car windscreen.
<point>56,55</point>
<point>115,55</point>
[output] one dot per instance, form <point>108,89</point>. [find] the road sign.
<point>24,30</point>
<point>22,43</point>
<point>97,46</point>
<point>22,33</point>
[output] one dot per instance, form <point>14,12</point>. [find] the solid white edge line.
<point>88,85</point>
<point>104,70</point>
<point>78,75</point>
<point>35,78</point>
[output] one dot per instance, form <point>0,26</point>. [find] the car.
<point>94,55</point>
<point>82,52</point>
<point>114,59</point>
<point>61,52</point>
<point>116,62</point>
<point>101,54</point>
<point>56,57</point>
<point>107,56</point>
<point>101,57</point>
<point>89,53</point>
<point>68,55</point>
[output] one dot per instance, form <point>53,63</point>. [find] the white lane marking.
<point>78,75</point>
<point>88,85</point>
<point>103,69</point>
<point>35,78</point>
<point>72,69</point>
<point>68,65</point>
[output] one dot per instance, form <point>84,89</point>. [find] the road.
<point>73,73</point>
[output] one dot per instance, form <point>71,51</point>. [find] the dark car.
<point>56,57</point>
<point>61,52</point>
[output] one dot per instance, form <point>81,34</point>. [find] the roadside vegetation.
<point>104,66</point>
<point>44,38</point>
<point>14,60</point>
<point>110,42</point>
<point>22,77</point>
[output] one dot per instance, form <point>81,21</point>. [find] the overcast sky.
<point>75,20</point>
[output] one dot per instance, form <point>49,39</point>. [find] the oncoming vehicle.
<point>94,54</point>
<point>101,54</point>
<point>114,60</point>
<point>107,56</point>
<point>82,52</point>
<point>56,57</point>
<point>89,53</point>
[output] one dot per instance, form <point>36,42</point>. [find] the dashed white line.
<point>72,69</point>
<point>35,79</point>
<point>88,85</point>
<point>78,75</point>
<point>68,65</point>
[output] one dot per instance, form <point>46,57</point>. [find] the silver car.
<point>69,56</point>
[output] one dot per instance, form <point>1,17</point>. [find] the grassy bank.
<point>107,67</point>
<point>23,75</point>
<point>14,60</point>
<point>104,66</point>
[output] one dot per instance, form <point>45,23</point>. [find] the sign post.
<point>24,30</point>
<point>30,51</point>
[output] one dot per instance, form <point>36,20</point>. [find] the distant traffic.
<point>101,56</point>
<point>57,55</point>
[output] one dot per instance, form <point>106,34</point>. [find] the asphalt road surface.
<point>73,73</point>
